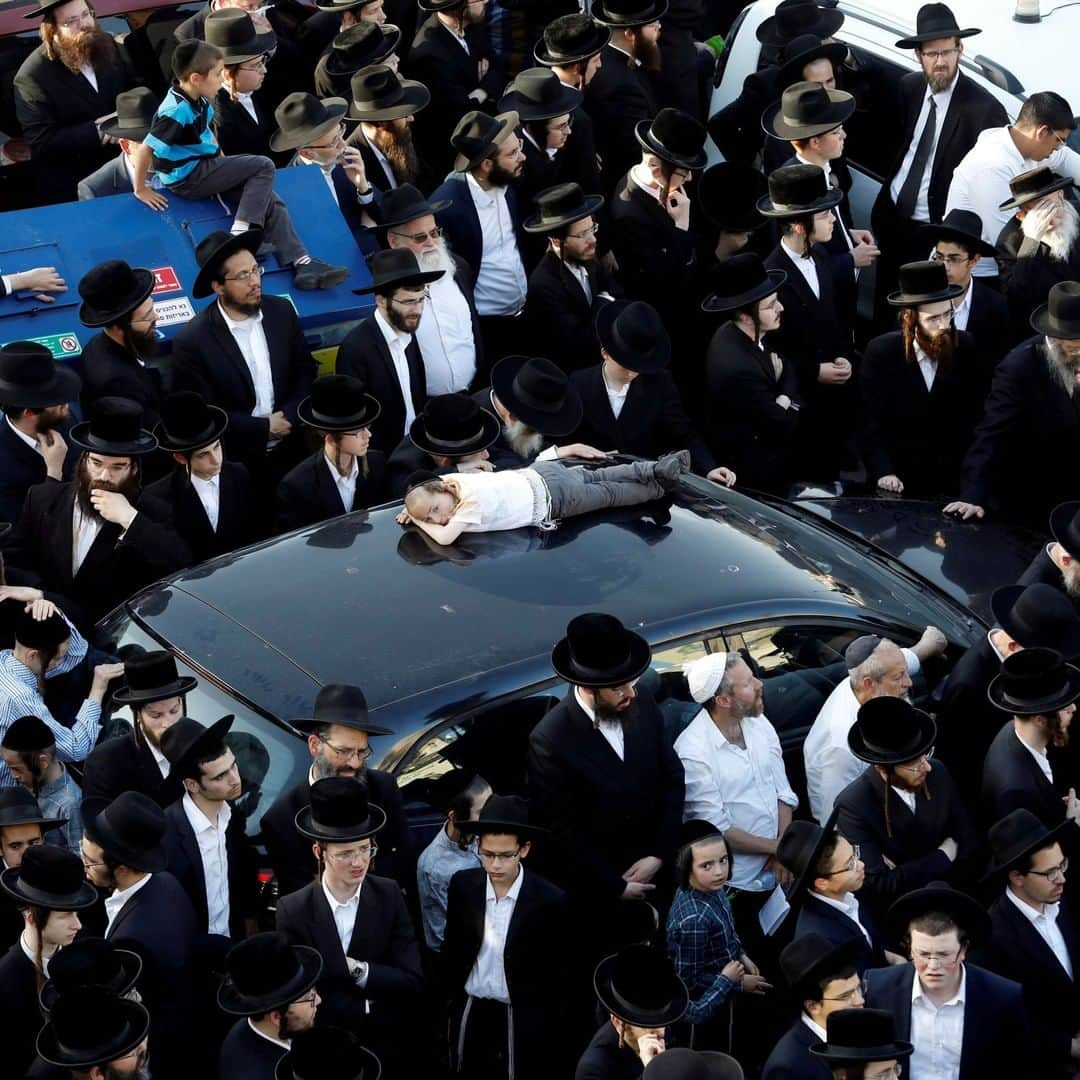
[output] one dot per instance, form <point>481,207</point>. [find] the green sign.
<point>60,345</point>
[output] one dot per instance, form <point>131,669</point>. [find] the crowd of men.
<point>555,273</point>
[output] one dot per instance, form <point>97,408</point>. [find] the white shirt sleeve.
<point>784,790</point>
<point>703,797</point>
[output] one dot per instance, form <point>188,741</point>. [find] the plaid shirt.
<point>701,939</point>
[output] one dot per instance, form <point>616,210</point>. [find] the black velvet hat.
<point>805,49</point>
<point>681,1063</point>
<point>538,393</point>
<point>453,425</point>
<point>19,807</point>
<point>396,268</point>
<point>131,829</point>
<point>327,1053</point>
<point>639,985</point>
<point>111,290</point>
<point>675,137</point>
<point>537,94</point>
<point>598,652</point>
<point>360,46</point>
<point>795,17</point>
<point>941,897</point>
<point>812,958</point>
<point>339,812</point>
<point>1018,835</point>
<point>1038,615</point>
<point>114,429</point>
<point>185,740</point>
<point>798,190</point>
<point>90,963</point>
<point>633,333</point>
<point>49,877</point>
<point>1065,526</point>
<point>741,280</point>
<point>503,814</point>
<point>860,1035</point>
<point>890,731</point>
<point>728,194</point>
<point>923,282</point>
<point>559,206</point>
<point>478,136</point>
<point>213,249</point>
<point>338,403</point>
<point>407,203</point>
<point>1034,682</point>
<point>960,227</point>
<point>934,21</point>
<point>570,39</point>
<point>264,973</point>
<point>799,851</point>
<point>31,379</point>
<point>341,704</point>
<point>188,423</point>
<point>87,1027</point>
<point>150,677</point>
<point>624,14</point>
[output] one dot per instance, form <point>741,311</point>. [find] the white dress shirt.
<point>84,531</point>
<point>927,366</point>
<point>346,485</point>
<point>612,730</point>
<point>817,1029</point>
<point>488,976</point>
<point>90,75</point>
<point>733,787</point>
<point>962,308</point>
<point>501,284</point>
<point>247,102</point>
<point>250,339</point>
<point>284,1043</point>
<point>397,343</point>
<point>616,395</point>
<point>937,1033</point>
<point>28,439</point>
<point>209,493</point>
<point>847,905</point>
<point>941,101</point>
<point>805,266</point>
<point>906,797</point>
<point>1042,759</point>
<point>384,161</point>
<point>210,836</point>
<point>1045,923</point>
<point>114,904</point>
<point>826,168</point>
<point>344,913</point>
<point>445,337</point>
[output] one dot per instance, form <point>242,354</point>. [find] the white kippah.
<point>705,675</point>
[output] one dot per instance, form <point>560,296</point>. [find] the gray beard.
<point>525,442</point>
<point>1061,368</point>
<point>1060,241</point>
<point>440,259</point>
<point>1071,578</point>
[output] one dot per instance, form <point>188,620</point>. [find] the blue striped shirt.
<point>180,136</point>
<point>701,939</point>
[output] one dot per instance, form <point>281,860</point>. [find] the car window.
<point>872,129</point>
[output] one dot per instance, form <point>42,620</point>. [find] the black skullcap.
<point>421,476</point>
<point>41,634</point>
<point>28,734</point>
<point>859,651</point>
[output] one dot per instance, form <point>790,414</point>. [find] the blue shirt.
<point>438,863</point>
<point>62,798</point>
<point>701,939</point>
<point>180,135</point>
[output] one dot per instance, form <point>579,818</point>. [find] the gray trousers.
<point>248,181</point>
<point>579,491</point>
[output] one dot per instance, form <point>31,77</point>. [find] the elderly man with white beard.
<point>1058,563</point>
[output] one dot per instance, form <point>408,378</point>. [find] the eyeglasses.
<point>1061,140</point>
<point>412,305</point>
<point>498,856</point>
<point>566,125</point>
<point>592,230</point>
<point>849,866</point>
<point>924,759</point>
<point>891,1073</point>
<point>353,855</point>
<point>347,751</point>
<point>420,237</point>
<point>335,139</point>
<point>246,275</point>
<point>86,16</point>
<point>939,54</point>
<point>255,65</point>
<point>309,999</point>
<point>953,259</point>
<point>89,864</point>
<point>926,959</point>
<point>858,990</point>
<point>1055,873</point>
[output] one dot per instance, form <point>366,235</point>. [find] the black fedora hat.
<point>111,290</point>
<point>793,18</point>
<point>87,1027</point>
<point>861,1035</point>
<point>49,877</point>
<point>265,972</point>
<point>114,429</point>
<point>19,807</point>
<point>798,190</point>
<point>941,897</point>
<point>184,741</point>
<point>806,109</point>
<point>633,333</point>
<point>1038,615</point>
<point>598,651</point>
<point>812,958</point>
<point>188,423</point>
<point>339,812</point>
<point>135,111</point>
<point>960,227</point>
<point>890,731</point>
<point>31,379</point>
<point>503,814</point>
<point>681,1063</point>
<point>327,1053</point>
<point>675,137</point>
<point>361,45</point>
<point>1034,682</point>
<point>559,206</point>
<point>338,403</point>
<point>343,705</point>
<point>395,268</point>
<point>570,39</point>
<point>43,8</point>
<point>805,49</point>
<point>1059,317</point>
<point>537,94</point>
<point>538,393</point>
<point>728,194</point>
<point>302,118</point>
<point>799,851</point>
<point>639,985</point>
<point>741,280</point>
<point>90,963</point>
<point>478,136</point>
<point>923,282</point>
<point>152,676</point>
<point>213,249</point>
<point>231,29</point>
<point>131,829</point>
<point>624,14</point>
<point>380,94</point>
<point>407,203</point>
<point>1065,526</point>
<point>453,425</point>
<point>1018,835</point>
<point>934,21</point>
<point>1032,185</point>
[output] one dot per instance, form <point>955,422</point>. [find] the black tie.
<point>905,201</point>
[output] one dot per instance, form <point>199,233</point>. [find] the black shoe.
<point>317,274</point>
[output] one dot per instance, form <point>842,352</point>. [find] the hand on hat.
<point>721,475</point>
<point>41,281</point>
<point>103,675</point>
<point>891,483</point>
<point>965,510</point>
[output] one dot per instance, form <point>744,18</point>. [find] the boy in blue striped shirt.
<point>185,154</point>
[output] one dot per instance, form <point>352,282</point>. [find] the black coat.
<point>110,371</point>
<point>605,1059</point>
<point>112,178</point>
<point>1043,569</point>
<point>989,322</point>
<point>22,1016</point>
<point>791,1058</point>
<point>996,1036</point>
<point>308,493</point>
<point>1012,779</point>
<point>290,853</point>
<point>352,210</point>
<point>1026,280</point>
<point>246,1055</point>
<point>817,917</point>
<point>365,354</point>
<point>122,764</point>
<point>21,468</point>
<point>237,133</point>
<point>604,814</point>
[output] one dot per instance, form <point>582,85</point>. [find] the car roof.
<point>12,12</point>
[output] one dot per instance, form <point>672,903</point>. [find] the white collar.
<point>642,178</point>
<point>284,1043</point>
<point>338,478</point>
<point>586,708</point>
<point>964,302</point>
<point>486,198</point>
<point>334,902</point>
<point>817,1029</point>
<point>921,356</point>
<point>1049,911</point>
<point>200,823</point>
<point>328,169</point>
<point>391,334</point>
<point>957,998</point>
<point>28,439</point>
<point>121,896</point>
<point>239,324</point>
<point>848,903</point>
<point>213,482</point>
<point>1038,750</point>
<point>797,258</point>
<point>159,757</point>
<point>826,168</point>
<point>511,893</point>
<point>637,62</point>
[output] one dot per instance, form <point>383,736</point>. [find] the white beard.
<point>1061,367</point>
<point>525,442</point>
<point>439,259</point>
<point>1061,240</point>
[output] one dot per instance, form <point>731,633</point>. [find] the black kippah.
<point>421,476</point>
<point>28,734</point>
<point>41,634</point>
<point>860,650</point>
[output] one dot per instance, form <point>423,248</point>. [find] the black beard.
<point>140,343</point>
<point>396,320</point>
<point>244,308</point>
<point>130,489</point>
<point>648,52</point>
<point>500,177</point>
<point>608,712</point>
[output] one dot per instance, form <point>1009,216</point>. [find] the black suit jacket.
<point>817,917</point>
<point>604,814</point>
<point>20,469</point>
<point>791,1058</point>
<point>112,178</point>
<point>989,322</point>
<point>22,1016</point>
<point>122,764</point>
<point>349,205</point>
<point>1012,780</point>
<point>606,1059</point>
<point>365,354</point>
<point>1042,569</point>
<point>996,1036</point>
<point>108,370</point>
<point>237,133</point>
<point>247,1056</point>
<point>308,493</point>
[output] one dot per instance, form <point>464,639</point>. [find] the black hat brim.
<point>310,724</point>
<point>11,882</point>
<point>588,207</point>
<point>180,687</point>
<point>259,45</point>
<point>642,363</point>
<point>64,386</point>
<point>51,1050</point>
<point>414,97</point>
<point>220,421</point>
<point>642,130</point>
<point>1042,322</point>
<point>43,9</point>
<point>998,865</point>
<point>767,208</point>
<point>624,22</point>
<point>773,122</point>
<point>546,58</point>
<point>230,1000</point>
<point>977,244</point>
<point>391,38</point>
<point>371,1068</point>
<point>1000,700</point>
<point>83,437</point>
<point>552,424</point>
<point>638,659</point>
<point>802,880</point>
<point>827,25</point>
<point>306,411</point>
<point>967,913</point>
<point>647,1018</point>
<point>925,739</point>
<point>142,287</point>
<point>902,299</point>
<point>15,816</point>
<point>836,958</point>
<point>716,303</point>
<point>211,736</point>
<point>463,162</point>
<point>245,241</point>
<point>851,1055</point>
<point>336,108</point>
<point>418,210</point>
<point>715,201</point>
<point>1015,202</point>
<point>345,834</point>
<point>512,101</point>
<point>1003,600</point>
<point>791,72</point>
<point>130,970</point>
<point>404,281</point>
<point>490,429</point>
<point>146,860</point>
<point>915,40</point>
<point>1061,518</point>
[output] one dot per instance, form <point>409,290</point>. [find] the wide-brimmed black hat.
<point>793,18</point>
<point>807,109</point>
<point>805,49</point>
<point>1065,526</point>
<point>934,21</point>
<point>343,705</point>
<point>503,814</point>
<point>477,136</point>
<point>728,194</point>
<point>1034,682</point>
<point>538,393</point>
<point>327,1053</point>
<point>923,282</point>
<point>598,651</point>
<point>1018,835</point>
<point>675,137</point>
<point>49,877</point>
<point>184,741</point>
<point>232,30</point>
<point>741,280</point>
<point>407,203</point>
<point>213,249</point>
<point>90,963</point>
<point>338,403</point>
<point>264,973</point>
<point>19,807</point>
<point>361,45</point>
<point>453,425</point>
<point>570,39</point>
<point>396,268</point>
<point>339,812</point>
<point>639,985</point>
<point>559,206</point>
<point>111,290</point>
<point>537,94</point>
<point>812,958</point>
<point>1059,317</point>
<point>941,897</point>
<point>890,731</point>
<point>633,333</point>
<point>1032,185</point>
<point>31,379</point>
<point>861,1035</point>
<point>135,111</point>
<point>623,14</point>
<point>302,118</point>
<point>341,5</point>
<point>87,1027</point>
<point>1038,615</point>
<point>188,424</point>
<point>798,190</point>
<point>959,227</point>
<point>799,850</point>
<point>131,829</point>
<point>380,94</point>
<point>114,429</point>
<point>152,676</point>
<point>681,1063</point>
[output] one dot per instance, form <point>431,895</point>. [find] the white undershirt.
<point>806,266</point>
<point>344,914</point>
<point>210,836</point>
<point>248,104</point>
<point>611,729</point>
<point>346,485</point>
<point>250,339</point>
<point>1042,759</point>
<point>209,493</point>
<point>397,343</point>
<point>487,979</point>
<point>927,367</point>
<point>616,395</point>
<point>84,531</point>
